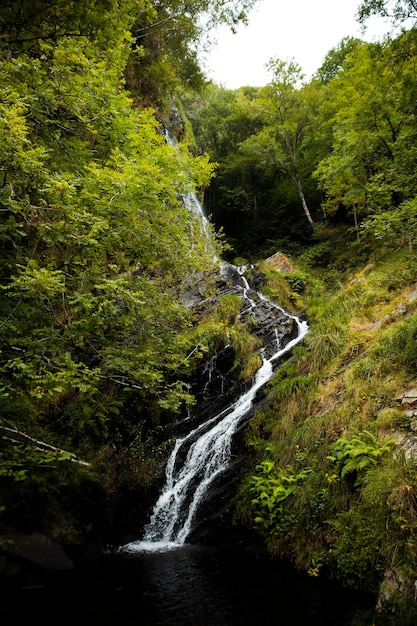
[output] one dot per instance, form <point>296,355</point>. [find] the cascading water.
<point>198,458</point>
<point>208,455</point>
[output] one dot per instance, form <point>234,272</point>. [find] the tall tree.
<point>223,120</point>
<point>336,59</point>
<point>289,119</point>
<point>169,39</point>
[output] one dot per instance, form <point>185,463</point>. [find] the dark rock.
<point>38,550</point>
<point>395,585</point>
<point>31,562</point>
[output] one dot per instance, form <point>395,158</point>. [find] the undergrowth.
<point>333,489</point>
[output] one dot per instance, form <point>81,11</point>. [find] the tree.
<point>336,59</point>
<point>170,38</point>
<point>372,165</point>
<point>396,10</point>
<point>223,120</point>
<point>289,120</point>
<point>24,24</point>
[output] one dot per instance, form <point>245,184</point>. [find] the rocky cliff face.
<point>216,385</point>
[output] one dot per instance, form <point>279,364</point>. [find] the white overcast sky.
<point>305,30</point>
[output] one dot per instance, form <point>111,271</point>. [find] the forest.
<point>100,258</point>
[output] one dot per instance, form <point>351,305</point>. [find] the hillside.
<point>334,484</point>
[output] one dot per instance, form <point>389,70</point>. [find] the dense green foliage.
<point>399,11</point>
<point>338,148</point>
<point>169,34</point>
<point>99,252</point>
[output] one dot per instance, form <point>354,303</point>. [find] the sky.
<point>303,30</point>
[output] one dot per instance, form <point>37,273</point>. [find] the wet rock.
<point>216,383</point>
<point>408,400</point>
<point>408,397</point>
<point>412,296</point>
<point>398,312</point>
<point>31,561</point>
<point>394,586</point>
<point>408,441</point>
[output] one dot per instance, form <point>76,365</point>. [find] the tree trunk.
<point>292,153</point>
<point>355,217</point>
<point>299,186</point>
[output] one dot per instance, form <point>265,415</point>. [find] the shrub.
<point>297,280</point>
<point>325,342</point>
<point>400,345</point>
<point>271,488</point>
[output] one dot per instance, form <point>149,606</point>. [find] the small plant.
<point>324,344</point>
<point>271,488</point>
<point>251,366</point>
<point>294,388</point>
<point>400,345</point>
<point>244,343</point>
<point>297,280</point>
<point>229,308</point>
<point>358,454</point>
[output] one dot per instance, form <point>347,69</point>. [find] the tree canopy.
<point>340,147</point>
<point>398,11</point>
<point>99,252</point>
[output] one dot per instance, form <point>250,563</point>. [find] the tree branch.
<point>40,445</point>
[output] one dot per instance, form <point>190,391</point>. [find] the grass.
<point>342,383</point>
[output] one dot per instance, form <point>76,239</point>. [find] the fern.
<point>356,455</point>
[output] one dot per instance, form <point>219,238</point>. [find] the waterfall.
<point>207,453</point>
<point>198,458</point>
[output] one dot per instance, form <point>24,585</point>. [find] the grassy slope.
<point>346,509</point>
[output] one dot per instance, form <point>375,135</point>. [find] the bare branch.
<point>40,445</point>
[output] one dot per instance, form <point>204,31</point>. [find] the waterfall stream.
<point>205,451</point>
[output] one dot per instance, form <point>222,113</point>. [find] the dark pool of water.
<point>190,586</point>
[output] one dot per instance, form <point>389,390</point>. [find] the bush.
<point>357,454</point>
<point>325,342</point>
<point>297,280</point>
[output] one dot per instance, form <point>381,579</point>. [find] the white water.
<point>207,457</point>
<point>188,480</point>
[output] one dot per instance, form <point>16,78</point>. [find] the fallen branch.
<point>41,445</point>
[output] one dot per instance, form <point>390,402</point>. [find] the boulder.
<point>37,549</point>
<point>280,262</point>
<point>29,560</point>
